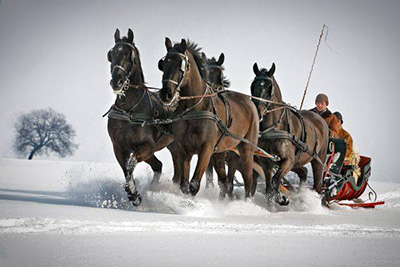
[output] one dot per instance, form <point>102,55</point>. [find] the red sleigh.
<point>340,183</point>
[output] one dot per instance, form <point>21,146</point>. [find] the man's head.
<point>339,116</point>
<point>321,102</point>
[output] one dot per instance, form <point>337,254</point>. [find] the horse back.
<point>317,129</point>
<point>315,120</point>
<point>242,106</point>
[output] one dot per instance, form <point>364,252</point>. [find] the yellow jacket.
<point>343,134</point>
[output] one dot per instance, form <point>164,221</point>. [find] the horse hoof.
<point>194,188</point>
<point>127,189</point>
<point>135,198</point>
<point>185,189</point>
<point>282,200</point>
<point>325,201</point>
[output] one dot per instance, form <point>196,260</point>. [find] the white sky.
<point>53,54</point>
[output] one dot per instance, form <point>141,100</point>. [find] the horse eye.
<point>262,83</point>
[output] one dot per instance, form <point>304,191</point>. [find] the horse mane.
<point>201,64</point>
<point>137,56</point>
<point>226,82</point>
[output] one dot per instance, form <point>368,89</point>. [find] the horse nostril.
<point>168,96</point>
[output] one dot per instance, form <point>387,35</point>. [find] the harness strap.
<point>278,134</point>
<point>201,114</point>
<point>274,125</point>
<point>228,118</point>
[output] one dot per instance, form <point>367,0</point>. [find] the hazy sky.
<point>54,54</point>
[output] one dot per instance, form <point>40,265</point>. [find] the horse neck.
<point>195,86</point>
<point>137,78</point>
<point>272,118</point>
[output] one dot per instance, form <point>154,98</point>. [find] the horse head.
<point>263,87</point>
<point>125,62</point>
<point>174,66</point>
<point>216,73</point>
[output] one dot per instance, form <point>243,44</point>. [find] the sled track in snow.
<point>65,226</point>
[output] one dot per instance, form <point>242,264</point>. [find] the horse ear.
<point>255,69</point>
<point>117,37</point>
<point>271,70</point>
<point>160,64</point>
<point>130,36</point>
<point>221,59</point>
<point>183,45</point>
<point>168,44</point>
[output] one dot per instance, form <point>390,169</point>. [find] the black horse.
<point>135,104</point>
<point>297,137</point>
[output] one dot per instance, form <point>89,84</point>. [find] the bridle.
<point>266,78</point>
<point>184,68</point>
<point>271,97</point>
<point>125,84</point>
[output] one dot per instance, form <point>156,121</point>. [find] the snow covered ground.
<point>76,214</point>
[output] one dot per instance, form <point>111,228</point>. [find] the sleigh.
<point>341,185</point>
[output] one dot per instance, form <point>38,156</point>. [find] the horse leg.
<point>284,167</point>
<point>302,173</point>
<point>174,150</point>
<point>128,162</point>
<point>130,183</point>
<point>156,166</point>
<point>233,164</point>
<point>142,153</point>
<point>218,161</point>
<point>258,171</point>
<point>246,155</point>
<point>209,175</point>
<point>318,170</point>
<point>202,163</point>
<point>185,167</point>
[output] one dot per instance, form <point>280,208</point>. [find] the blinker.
<point>183,66</point>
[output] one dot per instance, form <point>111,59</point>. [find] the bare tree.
<point>44,131</point>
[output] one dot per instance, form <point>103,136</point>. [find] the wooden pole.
<point>312,66</point>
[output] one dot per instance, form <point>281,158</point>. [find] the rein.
<point>227,90</point>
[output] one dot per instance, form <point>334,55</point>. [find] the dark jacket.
<point>330,119</point>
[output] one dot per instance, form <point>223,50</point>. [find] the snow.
<point>77,214</point>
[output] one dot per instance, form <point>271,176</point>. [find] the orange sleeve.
<point>349,144</point>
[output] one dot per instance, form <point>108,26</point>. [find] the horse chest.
<point>193,135</point>
<point>124,132</point>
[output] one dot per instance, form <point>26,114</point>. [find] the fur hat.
<point>338,115</point>
<point>322,98</point>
